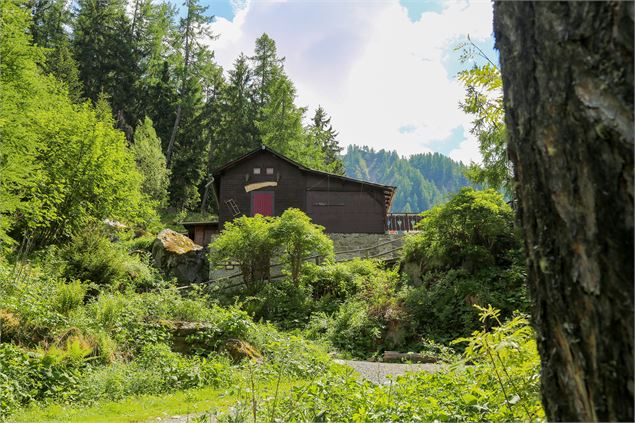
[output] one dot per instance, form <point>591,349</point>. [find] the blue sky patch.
<point>416,8</point>
<point>407,129</point>
<point>448,144</point>
<point>220,8</point>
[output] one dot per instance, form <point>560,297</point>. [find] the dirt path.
<point>376,372</point>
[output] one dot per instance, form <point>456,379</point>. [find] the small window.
<point>269,171</point>
<point>256,171</point>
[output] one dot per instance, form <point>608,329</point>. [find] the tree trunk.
<point>186,68</point>
<point>568,89</point>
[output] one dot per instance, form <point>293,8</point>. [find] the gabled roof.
<point>388,190</point>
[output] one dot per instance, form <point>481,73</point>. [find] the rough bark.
<point>568,89</point>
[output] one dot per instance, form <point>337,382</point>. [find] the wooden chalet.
<point>265,182</point>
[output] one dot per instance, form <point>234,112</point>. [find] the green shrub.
<point>366,308</point>
<point>92,256</point>
<point>156,370</point>
<point>354,331</point>
<point>253,241</point>
<point>52,373</point>
<point>333,283</point>
<point>298,239</point>
<point>442,307</point>
<point>468,253</point>
<point>69,296</point>
<point>17,379</point>
<point>475,229</point>
<point>248,242</point>
<point>289,355</point>
<point>282,302</point>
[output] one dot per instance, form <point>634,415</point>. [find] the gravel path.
<point>376,372</point>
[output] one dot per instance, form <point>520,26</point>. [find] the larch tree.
<point>265,66</point>
<point>483,102</point>
<point>325,138</point>
<point>567,72</point>
<point>194,29</point>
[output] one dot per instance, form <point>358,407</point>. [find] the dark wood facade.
<point>266,182</point>
<point>201,232</point>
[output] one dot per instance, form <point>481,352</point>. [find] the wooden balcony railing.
<point>402,222</point>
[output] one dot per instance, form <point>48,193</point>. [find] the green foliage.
<point>64,163</point>
<point>358,308</point>
<point>353,330</point>
<point>283,302</point>
<point>441,307</point>
<point>155,370</point>
<point>322,133</point>
<point>92,256</point>
<point>76,349</point>
<point>248,242</point>
<point>468,253</point>
<point>471,231</point>
<point>40,375</point>
<point>251,242</point>
<point>298,239</point>
<point>509,350</point>
<point>69,296</point>
<point>151,162</point>
<point>484,102</point>
<point>104,50</point>
<point>18,75</point>
<point>423,180</point>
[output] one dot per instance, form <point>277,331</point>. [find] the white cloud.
<point>368,65</point>
<point>467,151</point>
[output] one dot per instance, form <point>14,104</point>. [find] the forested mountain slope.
<point>422,180</point>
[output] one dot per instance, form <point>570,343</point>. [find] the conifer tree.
<point>151,162</point>
<point>325,137</point>
<point>194,29</point>
<point>160,104</point>
<point>267,66</point>
<point>104,51</point>
<point>238,133</point>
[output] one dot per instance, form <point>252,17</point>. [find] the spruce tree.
<point>239,113</point>
<point>104,51</point>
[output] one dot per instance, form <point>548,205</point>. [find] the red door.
<point>262,203</point>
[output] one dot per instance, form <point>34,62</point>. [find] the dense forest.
<point>422,180</point>
<point>152,65</point>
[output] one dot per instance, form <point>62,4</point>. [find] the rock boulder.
<point>178,256</point>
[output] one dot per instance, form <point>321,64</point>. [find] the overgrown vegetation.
<point>467,252</point>
<point>60,345</point>
<point>497,379</point>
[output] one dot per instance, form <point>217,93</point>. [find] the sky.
<point>384,70</point>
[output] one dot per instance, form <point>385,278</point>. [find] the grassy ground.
<point>149,407</point>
